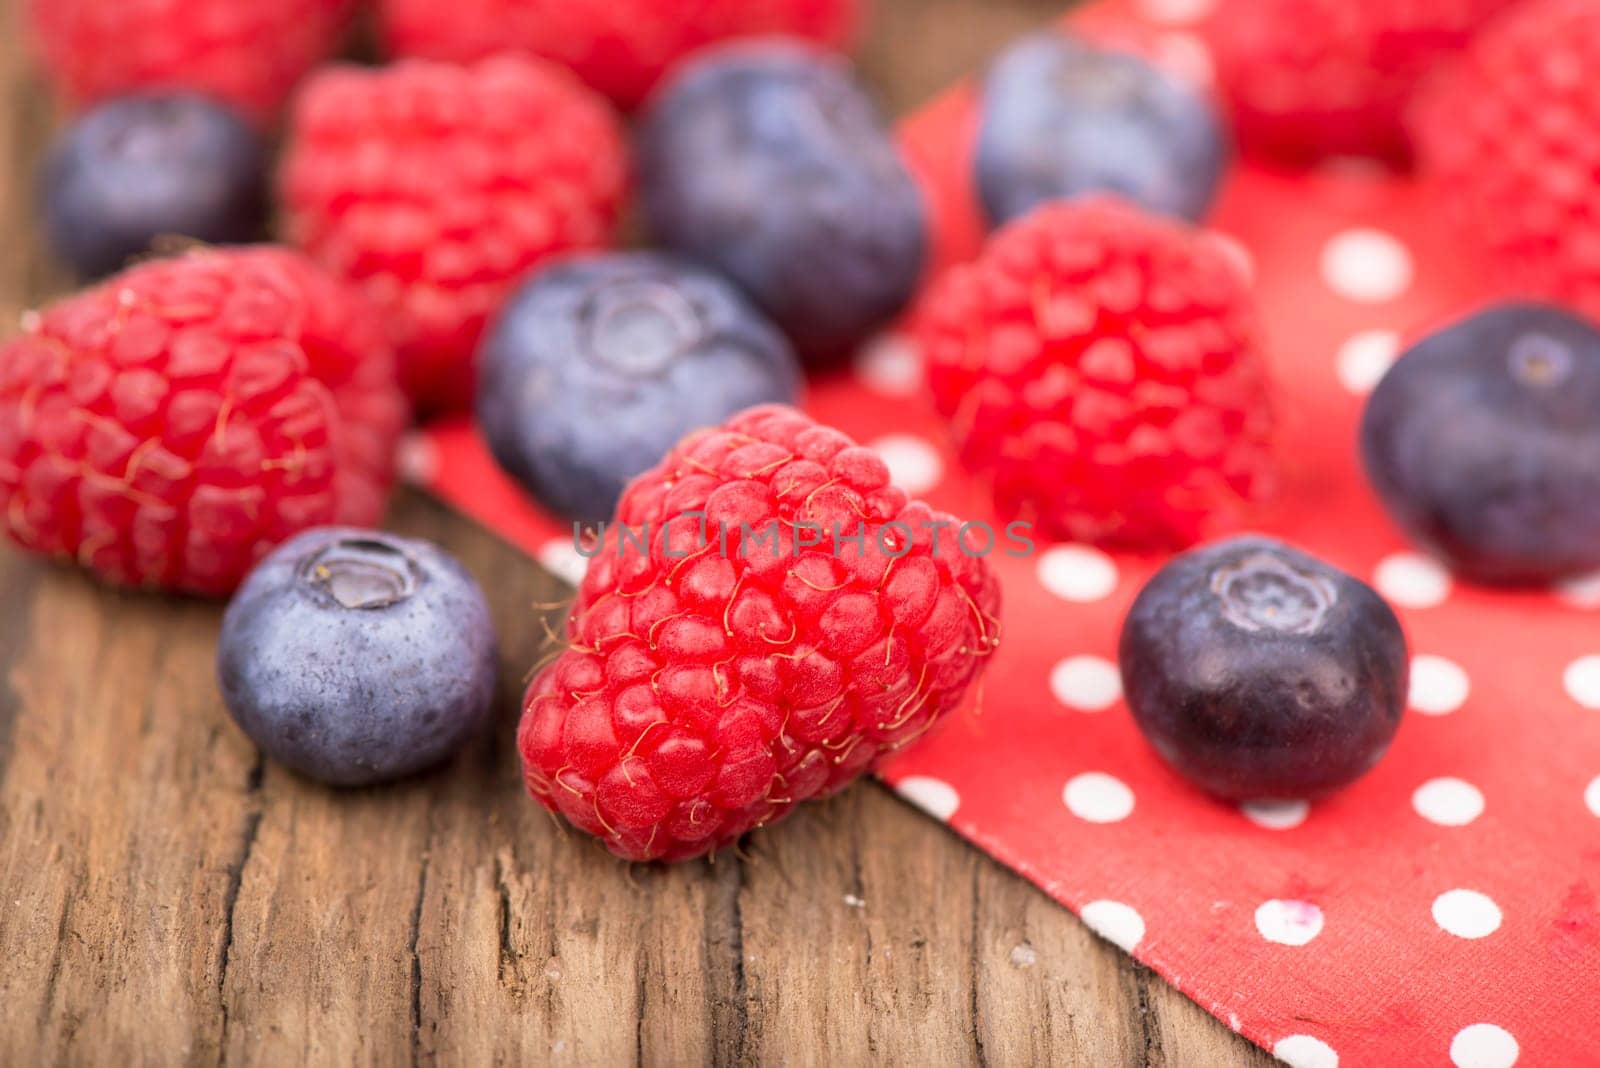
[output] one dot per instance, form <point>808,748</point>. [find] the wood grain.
<point>168,897</point>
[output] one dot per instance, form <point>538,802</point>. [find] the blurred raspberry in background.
<point>620,47</point>
<point>1511,134</point>
<point>1312,78</point>
<point>434,188</point>
<point>248,53</point>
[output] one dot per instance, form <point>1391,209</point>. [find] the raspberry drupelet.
<point>725,672</point>
<point>168,427</point>
<point>435,188</point>
<point>1099,367</point>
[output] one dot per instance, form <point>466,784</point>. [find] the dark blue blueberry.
<point>143,167</point>
<point>1483,442</point>
<point>356,657</point>
<point>769,161</point>
<point>600,364</point>
<point>1063,117</point>
<point>1260,672</point>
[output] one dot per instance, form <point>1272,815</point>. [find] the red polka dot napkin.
<point>1446,908</point>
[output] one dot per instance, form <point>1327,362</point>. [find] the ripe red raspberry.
<point>169,426</point>
<point>1511,134</point>
<point>1312,78</point>
<point>248,53</point>
<point>620,47</point>
<point>709,689</point>
<point>436,187</point>
<point>1100,368</point>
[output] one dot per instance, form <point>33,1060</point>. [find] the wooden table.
<point>166,895</point>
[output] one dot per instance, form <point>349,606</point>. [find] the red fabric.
<point>1493,784</point>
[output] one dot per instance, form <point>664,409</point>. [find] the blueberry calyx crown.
<point>639,327</point>
<point>1540,360</point>
<point>1265,592</point>
<point>362,573</point>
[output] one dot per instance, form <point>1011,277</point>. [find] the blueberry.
<point>355,656</point>
<point>1260,672</point>
<point>1483,442</point>
<point>600,364</point>
<point>769,161</point>
<point>1062,117</point>
<point>142,167</point>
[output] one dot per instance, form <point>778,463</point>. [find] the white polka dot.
<point>914,465</point>
<point>417,460</point>
<point>934,796</point>
<point>1580,592</point>
<point>1077,573</point>
<point>1176,12</point>
<point>1582,680</point>
<point>1187,56</point>
<point>561,558</point>
<point>1412,581</point>
<point>1591,796</point>
<point>1483,1046</point>
<point>1288,923</point>
<point>1365,359</point>
<point>1438,686</point>
<point>1117,923</point>
<point>1098,797</point>
<point>1448,802</point>
<point>891,365</point>
<point>1276,815</point>
<point>1087,683</point>
<point>1303,1051</point>
<point>1466,913</point>
<point>1368,266</point>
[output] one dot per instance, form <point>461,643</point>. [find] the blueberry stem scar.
<point>362,574</point>
<point>1262,592</point>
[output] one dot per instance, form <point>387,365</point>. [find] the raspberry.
<point>1312,78</point>
<point>435,188</point>
<point>248,53</point>
<point>1100,368</point>
<point>171,425</point>
<point>708,691</point>
<point>1511,135</point>
<point>620,47</point>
